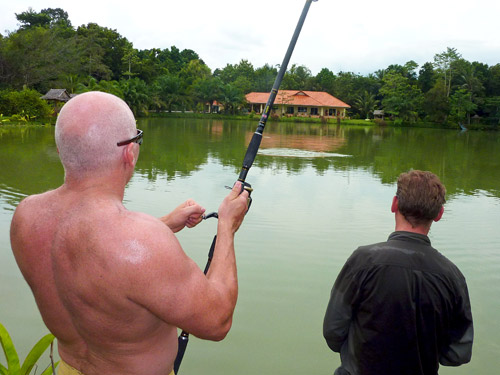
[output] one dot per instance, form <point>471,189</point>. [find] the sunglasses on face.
<point>137,139</point>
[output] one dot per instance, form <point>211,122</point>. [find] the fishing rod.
<point>248,160</point>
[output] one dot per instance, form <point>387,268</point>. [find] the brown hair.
<point>420,196</point>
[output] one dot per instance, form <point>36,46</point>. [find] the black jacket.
<point>399,307</point>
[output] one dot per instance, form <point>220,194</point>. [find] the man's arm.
<point>461,335</point>
<point>340,309</point>
<point>188,214</point>
<point>172,286</point>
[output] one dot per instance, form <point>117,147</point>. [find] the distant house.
<point>57,97</point>
<point>378,113</point>
<point>60,95</point>
<point>299,103</point>
<point>214,107</point>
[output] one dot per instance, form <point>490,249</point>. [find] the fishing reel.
<point>244,186</point>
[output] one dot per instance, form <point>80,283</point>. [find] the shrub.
<point>26,104</point>
<point>14,366</point>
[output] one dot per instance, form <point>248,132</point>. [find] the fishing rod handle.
<point>250,155</point>
<point>182,342</point>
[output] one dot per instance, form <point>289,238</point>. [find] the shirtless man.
<point>113,285</point>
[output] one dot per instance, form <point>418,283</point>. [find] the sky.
<point>359,36</point>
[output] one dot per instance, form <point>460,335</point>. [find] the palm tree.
<point>208,90</point>
<point>365,104</point>
<point>136,94</point>
<point>170,92</point>
<point>471,83</point>
<point>232,98</point>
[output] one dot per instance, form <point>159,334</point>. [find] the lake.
<point>320,191</point>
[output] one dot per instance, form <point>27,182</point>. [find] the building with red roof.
<point>299,103</point>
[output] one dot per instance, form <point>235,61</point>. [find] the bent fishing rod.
<point>248,160</point>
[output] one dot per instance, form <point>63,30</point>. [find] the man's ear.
<point>394,205</point>
<point>439,215</point>
<point>129,156</point>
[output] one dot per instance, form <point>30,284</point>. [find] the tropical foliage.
<point>47,51</point>
<point>26,104</point>
<point>13,365</point>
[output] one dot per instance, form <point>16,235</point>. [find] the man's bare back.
<point>114,285</point>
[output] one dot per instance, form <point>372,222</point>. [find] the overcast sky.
<point>360,36</point>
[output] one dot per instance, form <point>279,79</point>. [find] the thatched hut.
<point>378,113</point>
<point>57,97</point>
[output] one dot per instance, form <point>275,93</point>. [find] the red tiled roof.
<point>299,98</point>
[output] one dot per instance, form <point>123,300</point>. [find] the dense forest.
<point>47,51</point>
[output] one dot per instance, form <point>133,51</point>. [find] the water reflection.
<point>467,162</point>
<point>308,214</point>
<point>298,153</point>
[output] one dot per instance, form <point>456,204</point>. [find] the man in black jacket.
<point>400,307</point>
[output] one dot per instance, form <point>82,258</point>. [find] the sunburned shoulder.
<point>147,230</point>
<point>34,199</point>
<point>36,203</point>
<point>146,220</point>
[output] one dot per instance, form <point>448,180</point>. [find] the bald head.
<point>87,130</point>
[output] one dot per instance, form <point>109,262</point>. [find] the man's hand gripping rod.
<point>250,155</point>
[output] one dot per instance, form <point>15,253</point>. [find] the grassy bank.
<point>330,121</point>
<point>16,120</point>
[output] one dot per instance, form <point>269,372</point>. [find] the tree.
<point>470,83</point>
<point>90,41</point>
<point>232,98</point>
<point>104,49</point>
<point>191,74</point>
<point>347,86</point>
<point>130,59</point>
<point>26,103</point>
<point>31,18</point>
<point>436,103</point>
<point>136,94</point>
<point>444,64</point>
<point>492,108</point>
<point>400,97</point>
<point>243,84</point>
<point>493,84</point>
<point>35,57</point>
<point>111,87</point>
<point>365,104</point>
<point>58,17</point>
<point>209,90</point>
<point>194,71</point>
<point>297,78</point>
<point>426,77</point>
<point>407,70</point>
<point>71,81</point>
<point>324,80</point>
<point>150,66</point>
<point>462,105</point>
<point>170,91</point>
<point>240,75</point>
<point>264,78</point>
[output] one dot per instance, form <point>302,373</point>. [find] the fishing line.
<point>250,155</point>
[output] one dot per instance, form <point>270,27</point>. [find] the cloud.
<point>361,36</point>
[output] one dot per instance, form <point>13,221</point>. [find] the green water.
<point>320,191</point>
